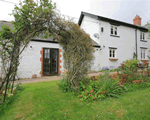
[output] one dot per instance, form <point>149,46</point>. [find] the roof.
<point>147,26</point>
<point>2,22</point>
<point>95,44</point>
<point>50,40</point>
<point>111,21</point>
<point>41,38</point>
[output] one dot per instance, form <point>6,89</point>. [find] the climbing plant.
<point>77,52</point>
<point>41,17</point>
<point>31,19</point>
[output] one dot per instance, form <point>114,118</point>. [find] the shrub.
<point>137,84</point>
<point>100,87</point>
<point>63,85</point>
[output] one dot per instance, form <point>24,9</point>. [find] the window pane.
<point>111,29</point>
<point>113,51</point>
<point>115,30</point>
<point>144,53</point>
<point>113,55</point>
<point>110,53</point>
<point>143,36</point>
<point>141,53</point>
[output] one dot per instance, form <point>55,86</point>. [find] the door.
<point>50,61</point>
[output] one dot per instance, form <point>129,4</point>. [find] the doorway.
<point>50,61</point>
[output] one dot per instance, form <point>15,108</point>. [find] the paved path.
<point>52,78</point>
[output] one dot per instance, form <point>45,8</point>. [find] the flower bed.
<point>103,86</point>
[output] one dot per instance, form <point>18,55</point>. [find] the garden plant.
<point>102,86</point>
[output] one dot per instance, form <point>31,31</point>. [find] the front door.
<point>50,61</point>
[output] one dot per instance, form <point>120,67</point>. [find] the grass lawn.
<point>44,101</point>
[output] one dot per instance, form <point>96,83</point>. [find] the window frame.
<point>112,49</point>
<point>142,36</point>
<point>143,53</point>
<point>113,30</point>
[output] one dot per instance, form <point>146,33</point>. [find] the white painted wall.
<point>30,63</point>
<point>125,44</point>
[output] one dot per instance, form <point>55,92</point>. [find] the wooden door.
<point>50,61</point>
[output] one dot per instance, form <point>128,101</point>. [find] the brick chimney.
<point>137,20</point>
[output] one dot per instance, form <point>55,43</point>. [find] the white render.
<point>125,44</point>
<point>30,63</point>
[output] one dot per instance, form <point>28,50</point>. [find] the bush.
<point>100,87</point>
<point>63,85</point>
<point>137,84</point>
<point>131,64</point>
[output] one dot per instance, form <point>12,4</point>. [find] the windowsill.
<point>114,36</point>
<point>113,59</point>
<point>143,60</point>
<point>143,40</point>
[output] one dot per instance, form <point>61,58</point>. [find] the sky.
<point>122,10</point>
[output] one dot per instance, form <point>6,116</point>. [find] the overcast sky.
<point>123,10</point>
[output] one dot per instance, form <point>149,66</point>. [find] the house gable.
<point>111,21</point>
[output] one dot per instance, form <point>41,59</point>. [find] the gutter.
<point>136,42</point>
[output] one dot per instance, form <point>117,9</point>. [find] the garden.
<point>123,95</point>
<point>132,76</point>
<point>44,100</point>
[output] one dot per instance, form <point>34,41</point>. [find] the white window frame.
<point>112,53</point>
<point>143,54</point>
<point>114,29</point>
<point>142,35</point>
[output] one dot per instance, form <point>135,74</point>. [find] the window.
<point>112,53</point>
<point>142,36</point>
<point>143,53</point>
<point>113,30</point>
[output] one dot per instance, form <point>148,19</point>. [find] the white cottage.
<point>114,42</point>
<point>118,40</point>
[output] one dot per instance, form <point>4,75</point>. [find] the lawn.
<point>44,101</point>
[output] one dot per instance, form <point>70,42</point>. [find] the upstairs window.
<point>142,36</point>
<point>113,30</point>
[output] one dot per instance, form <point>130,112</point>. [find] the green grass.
<point>44,101</point>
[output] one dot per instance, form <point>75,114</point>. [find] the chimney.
<point>137,20</point>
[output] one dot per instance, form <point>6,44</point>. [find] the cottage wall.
<point>124,43</point>
<point>30,62</point>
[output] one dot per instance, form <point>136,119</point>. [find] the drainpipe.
<point>136,42</point>
<point>99,24</point>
